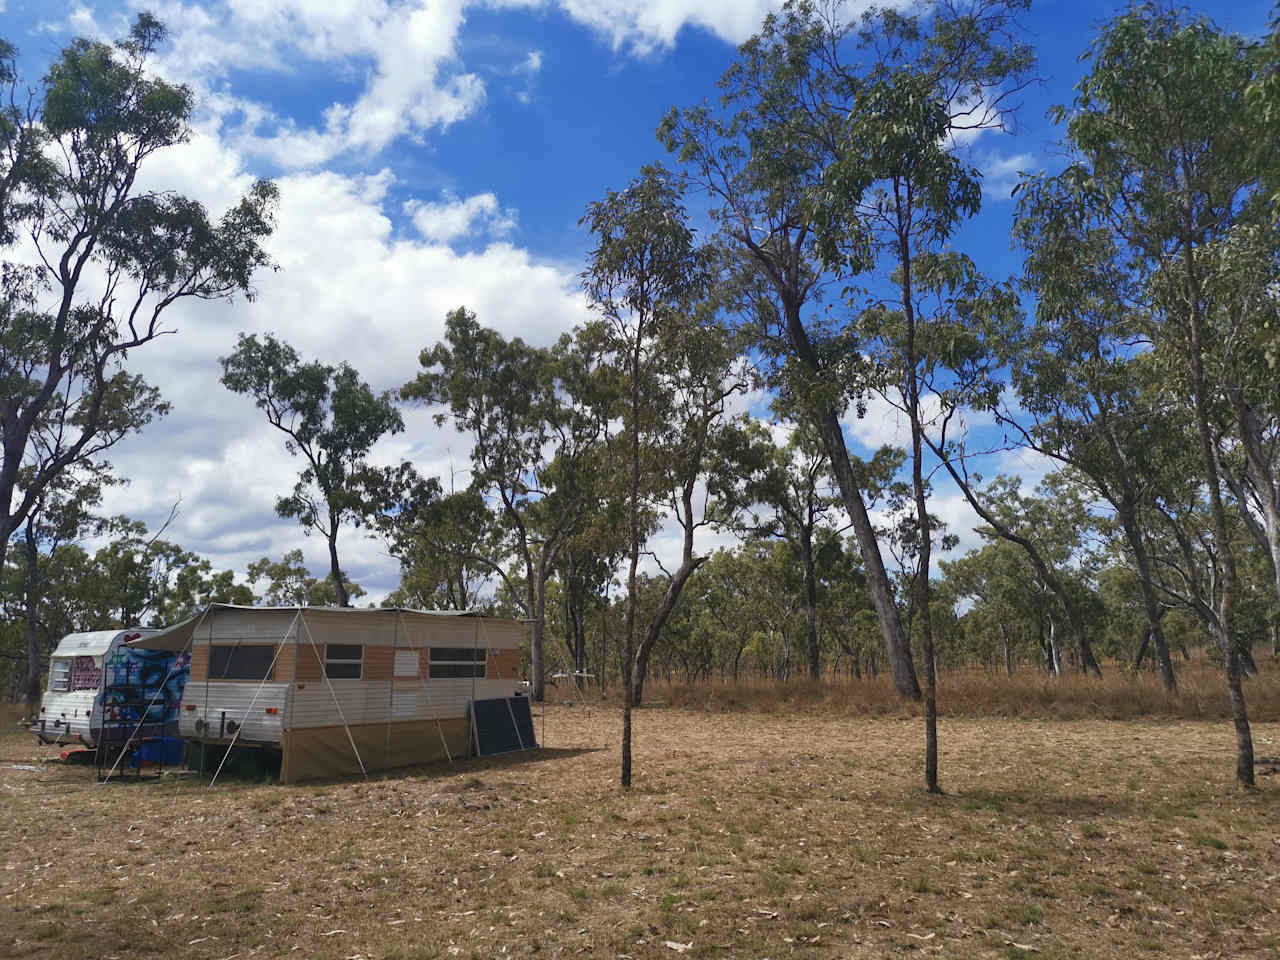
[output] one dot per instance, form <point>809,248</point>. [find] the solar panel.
<point>502,725</point>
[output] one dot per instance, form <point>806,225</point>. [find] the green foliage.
<point>52,585</point>
<point>659,292</point>
<point>112,258</point>
<point>331,418</point>
<point>289,583</point>
<point>445,546</point>
<point>536,417</point>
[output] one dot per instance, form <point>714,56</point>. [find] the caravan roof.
<point>178,636</point>
<point>92,644</point>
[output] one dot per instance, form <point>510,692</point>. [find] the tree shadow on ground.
<point>444,769</point>
<point>1030,803</point>
<point>518,758</point>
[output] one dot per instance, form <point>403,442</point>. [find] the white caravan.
<point>72,707</point>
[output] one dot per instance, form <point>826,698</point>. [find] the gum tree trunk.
<point>811,604</point>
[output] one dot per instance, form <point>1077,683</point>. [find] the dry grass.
<point>1029,694</point>
<point>746,835</point>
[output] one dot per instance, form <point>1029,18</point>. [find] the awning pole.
<point>261,683</point>
<point>342,716</point>
<point>444,742</point>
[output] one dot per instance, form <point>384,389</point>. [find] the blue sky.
<point>433,153</point>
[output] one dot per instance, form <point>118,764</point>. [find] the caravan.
<point>97,676</point>
<point>342,691</point>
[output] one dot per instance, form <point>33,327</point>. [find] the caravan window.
<point>343,661</point>
<point>248,661</point>
<point>60,678</point>
<point>86,674</point>
<point>450,662</point>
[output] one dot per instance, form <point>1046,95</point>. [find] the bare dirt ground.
<point>745,836</point>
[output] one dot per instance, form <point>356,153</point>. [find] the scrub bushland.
<point>1119,694</point>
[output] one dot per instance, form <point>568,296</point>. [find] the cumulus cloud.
<point>403,55</point>
<point>646,26</point>
<point>456,217</point>
<point>1000,174</point>
<point>399,58</point>
<point>350,287</point>
<point>885,424</point>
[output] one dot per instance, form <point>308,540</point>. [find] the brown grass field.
<point>774,831</point>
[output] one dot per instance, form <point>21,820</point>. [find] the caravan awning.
<point>176,638</point>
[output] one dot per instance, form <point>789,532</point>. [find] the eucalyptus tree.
<point>587,565</point>
<point>774,615</point>
<point>1009,601</point>
<point>1083,374</point>
<point>1161,140</point>
<point>794,484</point>
<point>1263,97</point>
<point>1181,543</point>
<point>1242,311</point>
<point>448,545</point>
<point>536,416</point>
<point>63,514</point>
<point>748,603</point>
<point>70,597</point>
<point>331,418</point>
<point>1126,623</point>
<point>846,613</point>
<point>445,548</point>
<point>722,592</point>
<point>760,157</point>
<point>652,283</point>
<point>1250,489</point>
<point>110,259</point>
<point>586,573</point>
<point>1054,530</point>
<point>697,453</point>
<point>890,203</point>
<point>135,573</point>
<point>196,585</point>
<point>288,583</point>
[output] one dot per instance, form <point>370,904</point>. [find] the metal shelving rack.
<point>123,706</point>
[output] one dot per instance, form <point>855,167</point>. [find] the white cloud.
<point>972,117</point>
<point>528,70</point>
<point>885,424</point>
<point>351,288</point>
<point>455,218</point>
<point>399,58</point>
<point>79,20</point>
<point>1001,174</point>
<point>646,26</point>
